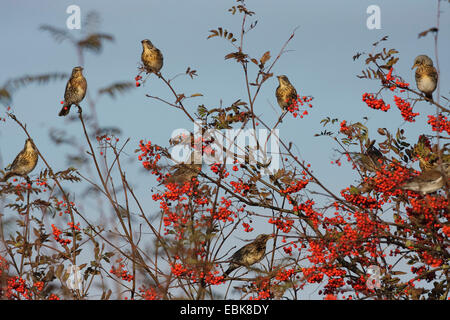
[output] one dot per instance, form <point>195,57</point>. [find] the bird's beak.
<point>415,65</point>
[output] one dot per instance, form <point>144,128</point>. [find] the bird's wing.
<point>278,95</point>
<point>292,93</point>
<point>17,161</point>
<point>285,93</point>
<point>375,155</point>
<point>159,53</point>
<point>70,90</point>
<point>432,73</point>
<point>83,85</point>
<point>237,256</point>
<point>428,176</point>
<point>241,253</point>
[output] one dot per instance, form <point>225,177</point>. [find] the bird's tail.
<point>64,111</point>
<point>229,270</point>
<point>429,96</point>
<point>7,176</point>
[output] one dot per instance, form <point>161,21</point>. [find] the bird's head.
<point>147,43</point>
<point>264,237</point>
<point>283,80</point>
<point>77,71</point>
<point>422,60</point>
<point>29,144</point>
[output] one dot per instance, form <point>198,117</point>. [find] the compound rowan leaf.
<point>220,32</point>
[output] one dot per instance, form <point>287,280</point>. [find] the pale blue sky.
<point>319,63</point>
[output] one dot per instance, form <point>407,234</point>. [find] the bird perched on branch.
<point>429,155</point>
<point>426,75</point>
<point>24,162</point>
<point>429,181</point>
<point>151,57</point>
<point>249,254</point>
<point>185,172</point>
<point>75,91</point>
<point>372,159</point>
<point>422,150</point>
<point>285,93</point>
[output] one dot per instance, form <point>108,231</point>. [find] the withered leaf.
<point>265,57</point>
<point>424,33</point>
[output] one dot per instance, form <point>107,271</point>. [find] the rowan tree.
<point>372,240</point>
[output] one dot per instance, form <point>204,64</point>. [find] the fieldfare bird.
<point>427,159</point>
<point>75,91</point>
<point>249,254</point>
<point>184,172</point>
<point>151,57</point>
<point>285,93</point>
<point>24,162</point>
<point>428,155</point>
<point>428,181</point>
<point>372,159</point>
<point>426,75</point>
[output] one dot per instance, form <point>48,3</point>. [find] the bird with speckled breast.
<point>285,92</point>
<point>426,75</point>
<point>75,91</point>
<point>151,57</point>
<point>249,254</point>
<point>25,161</point>
<point>429,181</point>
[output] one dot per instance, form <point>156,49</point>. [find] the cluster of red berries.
<point>149,294</point>
<point>247,227</point>
<point>296,186</point>
<point>197,275</point>
<point>223,211</point>
<point>312,275</point>
<point>406,110</point>
<point>446,230</point>
<point>345,129</point>
<point>283,224</point>
<point>120,272</point>
<point>64,204</point>
<point>150,157</point>
<point>74,226</point>
<point>439,123</point>
<point>262,286</point>
<point>137,78</point>
<point>57,236</point>
<point>360,201</point>
<point>377,104</point>
<point>307,209</point>
<point>295,104</point>
<point>17,288</point>
<point>240,187</point>
<point>395,82</point>
<point>218,169</point>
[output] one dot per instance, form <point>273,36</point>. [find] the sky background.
<point>319,63</point>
